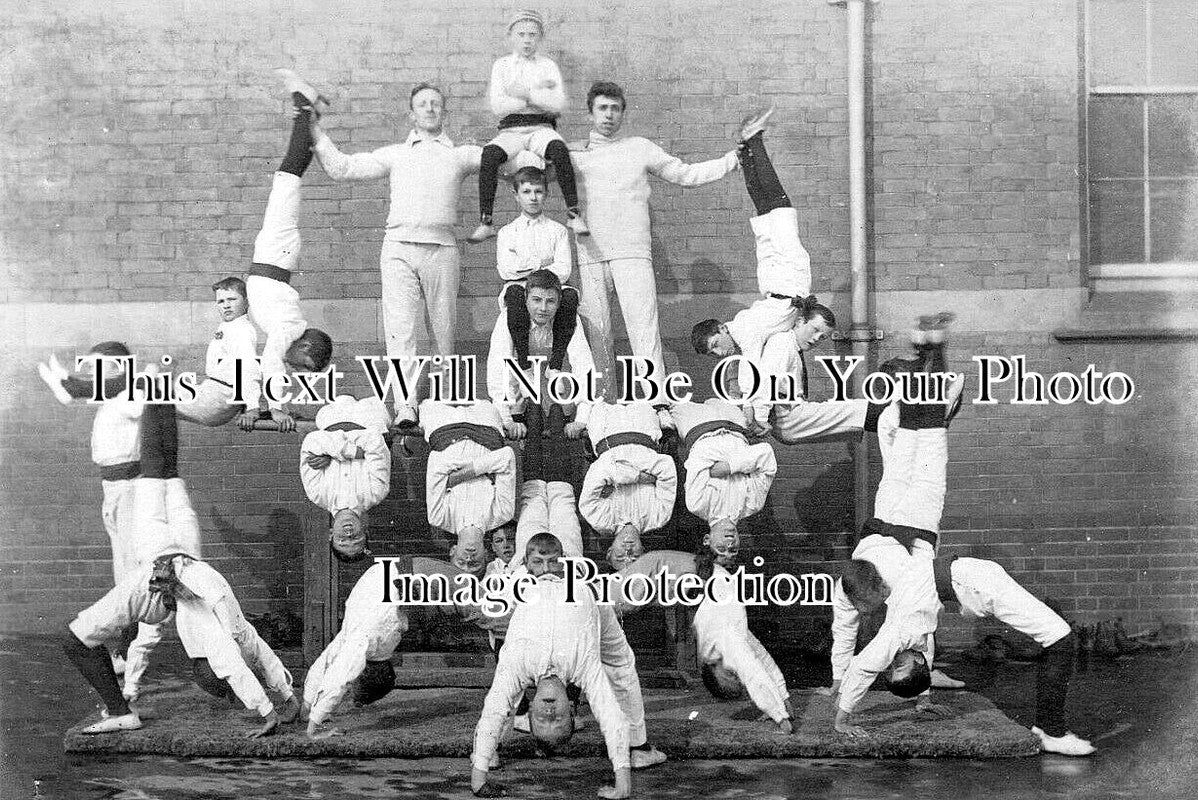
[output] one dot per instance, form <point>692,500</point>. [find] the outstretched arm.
<point>342,167</point>
<point>675,170</point>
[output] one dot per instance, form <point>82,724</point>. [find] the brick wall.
<point>138,148</point>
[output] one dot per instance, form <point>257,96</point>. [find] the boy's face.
<point>607,115</point>
<point>542,305</point>
<point>722,344</point>
<point>625,548</point>
<point>230,304</point>
<point>550,713</point>
<point>530,197</point>
<point>468,554</point>
<point>810,333</point>
<point>503,544</point>
<point>525,37</point>
<point>539,563</point>
<point>348,532</point>
<point>724,541</point>
<point>428,111</point>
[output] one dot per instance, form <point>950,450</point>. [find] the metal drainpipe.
<point>860,332</point>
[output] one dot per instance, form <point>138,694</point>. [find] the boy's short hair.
<point>544,279</point>
<point>606,89</point>
<point>529,175</point>
<point>111,349</point>
<point>316,345</point>
<point>701,334</point>
<point>420,87</point>
<point>545,544</point>
<point>230,284</point>
<point>718,690</point>
<point>809,307</point>
<point>908,675</point>
<point>375,682</point>
<point>861,581</point>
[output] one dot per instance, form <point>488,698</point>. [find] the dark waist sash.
<point>218,380</point>
<point>484,435</point>
<point>121,472</point>
<point>345,426</point>
<point>907,535</point>
<point>628,437</point>
<point>271,271</point>
<point>942,569</point>
<point>704,428</point>
<point>520,120</point>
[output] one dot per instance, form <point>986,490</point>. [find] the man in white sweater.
<point>420,259</point>
<point>613,174</point>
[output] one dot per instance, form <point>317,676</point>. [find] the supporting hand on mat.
<point>290,710</point>
<point>316,733</point>
<point>844,724</point>
<point>786,726</point>
<point>269,726</point>
<point>924,705</point>
<point>828,691</point>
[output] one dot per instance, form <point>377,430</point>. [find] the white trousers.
<point>533,138</point>
<point>619,664</point>
<point>547,508</point>
<point>914,478</point>
<point>635,286</point>
<point>986,590</point>
<point>783,265</point>
<point>417,277</point>
<point>211,406</point>
<point>117,511</point>
<point>806,420</point>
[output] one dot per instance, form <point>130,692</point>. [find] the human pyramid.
<point>549,650</point>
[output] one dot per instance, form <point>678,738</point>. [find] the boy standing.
<point>528,96</point>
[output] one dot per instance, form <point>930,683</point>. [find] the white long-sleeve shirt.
<point>911,615</point>
<point>644,506</point>
<point>349,481</point>
<point>505,391</point>
<point>526,243</point>
<point>488,500</point>
<point>211,625</point>
<point>613,181</point>
<point>547,636</point>
<point>737,496</point>
<point>236,339</point>
<point>530,73</point>
<point>426,175</point>
<point>370,631</point>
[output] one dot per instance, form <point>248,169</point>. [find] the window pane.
<point>1175,221</point>
<point>1173,135</point>
<point>1117,223</point>
<point>1174,34</point>
<point>1117,42</point>
<point>1116,137</point>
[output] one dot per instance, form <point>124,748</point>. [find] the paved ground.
<point>1141,711</point>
